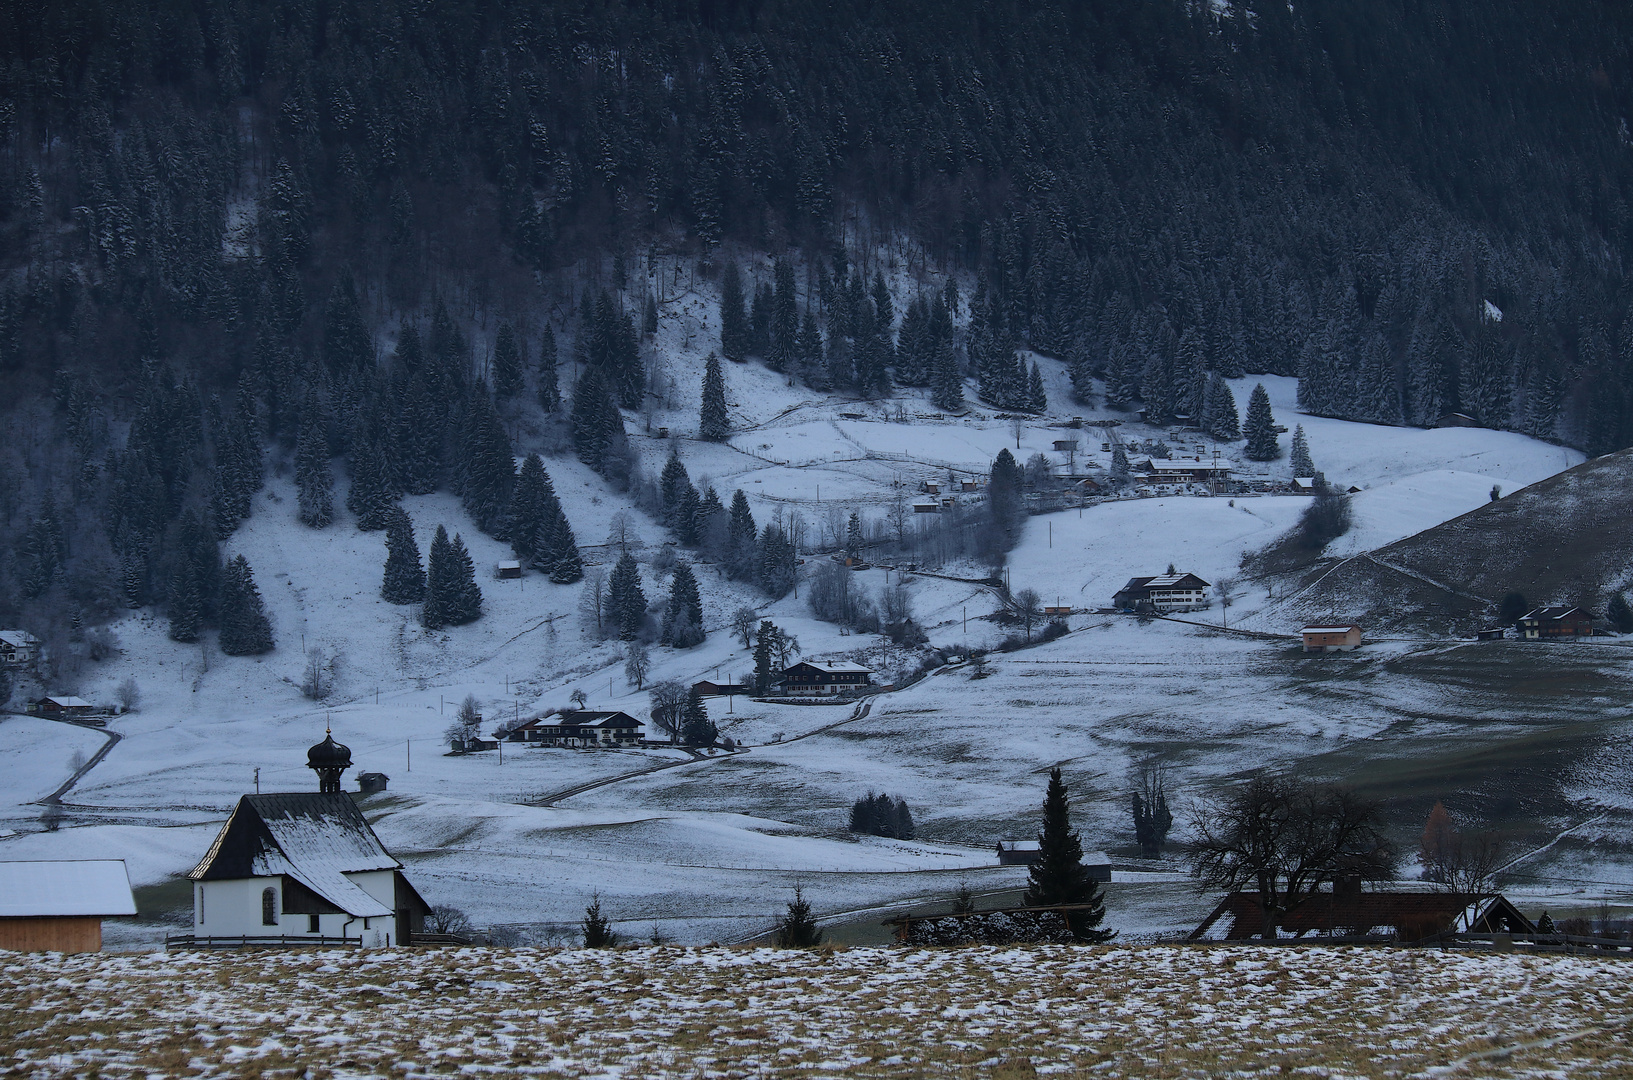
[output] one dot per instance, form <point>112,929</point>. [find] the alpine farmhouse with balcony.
<point>811,679</point>
<point>579,728</point>
<point>1162,594</point>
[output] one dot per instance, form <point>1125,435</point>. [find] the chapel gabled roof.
<point>317,839</point>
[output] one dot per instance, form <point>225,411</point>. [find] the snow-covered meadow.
<point>1200,1011</point>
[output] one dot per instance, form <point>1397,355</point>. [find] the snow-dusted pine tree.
<point>1299,458</point>
<point>1260,428</point>
<point>714,424</point>
<point>404,580</point>
<point>245,629</point>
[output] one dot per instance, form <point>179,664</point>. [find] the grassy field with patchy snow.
<point>1168,1011</point>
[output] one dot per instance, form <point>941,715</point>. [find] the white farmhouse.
<point>300,867</point>
<point>18,648</point>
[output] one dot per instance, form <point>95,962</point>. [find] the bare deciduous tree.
<point>1028,607</point>
<point>637,662</point>
<point>744,621</point>
<point>1286,839</point>
<point>129,694</point>
<point>1458,861</point>
<point>668,706</point>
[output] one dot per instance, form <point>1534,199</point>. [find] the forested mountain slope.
<point>220,221</point>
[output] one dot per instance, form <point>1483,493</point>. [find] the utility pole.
<point>408,746</point>
<point>257,780</point>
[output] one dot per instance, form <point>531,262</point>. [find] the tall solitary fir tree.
<point>714,424</point>
<point>526,512</point>
<point>1299,459</point>
<point>245,629</point>
<point>626,599</point>
<point>1059,876</point>
<point>314,482</point>
<point>404,580</point>
<point>555,548</point>
<point>740,536</point>
<point>1260,428</point>
<point>696,729</point>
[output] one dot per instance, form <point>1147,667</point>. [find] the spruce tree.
<point>185,607</point>
<point>740,536</point>
<point>1221,422</point>
<point>1036,399</point>
<point>784,328</point>
<point>946,380</point>
<point>683,620</point>
<point>555,546</point>
<point>488,468</point>
<point>1300,458</point>
<point>314,482</point>
<point>597,423</point>
<point>441,584</point>
<point>1260,428</point>
<point>733,319</point>
<point>549,386</point>
<point>507,364</point>
<point>1059,876</point>
<point>369,497</point>
<point>466,605</point>
<point>713,424</point>
<point>696,729</point>
<point>404,580</point>
<point>813,365</point>
<point>526,512</point>
<point>672,482</point>
<point>798,929</point>
<point>245,629</point>
<point>1620,614</point>
<point>775,568</point>
<point>626,599</point>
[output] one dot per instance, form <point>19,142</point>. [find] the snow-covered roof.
<point>18,639</point>
<point>76,888</point>
<point>68,702</point>
<point>1553,613</point>
<point>317,839</point>
<point>1341,629</point>
<point>836,667</point>
<point>1168,581</point>
<point>1190,465</point>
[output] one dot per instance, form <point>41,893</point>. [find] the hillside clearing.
<point>1152,1011</point>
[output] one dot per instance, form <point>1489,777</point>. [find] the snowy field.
<point>733,836</point>
<point>986,1011</point>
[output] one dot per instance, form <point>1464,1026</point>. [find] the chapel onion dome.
<point>329,754</point>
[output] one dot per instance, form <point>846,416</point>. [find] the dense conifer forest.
<point>213,213</point>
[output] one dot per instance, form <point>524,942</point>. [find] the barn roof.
<point>317,839</point>
<point>1361,913</point>
<point>1331,628</point>
<point>80,888</point>
<point>1169,581</point>
<point>1558,611</point>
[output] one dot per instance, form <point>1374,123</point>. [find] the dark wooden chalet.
<point>62,706</point>
<point>834,677</point>
<point>1545,623</point>
<point>580,728</point>
<point>710,688</point>
<point>1404,916</point>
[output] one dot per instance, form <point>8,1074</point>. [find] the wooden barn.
<point>1027,852</point>
<point>1350,912</point>
<point>62,707</point>
<point>59,906</point>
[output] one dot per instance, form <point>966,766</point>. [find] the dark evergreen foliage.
<point>741,533</point>
<point>696,729</point>
<point>597,928</point>
<point>775,565</point>
<point>626,600</point>
<point>452,597</point>
<point>1263,444</point>
<point>798,929</point>
<point>598,426</point>
<point>245,629</point>
<point>714,424</point>
<point>313,480</point>
<point>549,386</point>
<point>487,467</point>
<point>1512,608</point>
<point>882,815</point>
<point>404,579</point>
<point>683,618</point>
<point>1620,614</point>
<point>507,364</point>
<point>1059,876</point>
<point>734,333</point>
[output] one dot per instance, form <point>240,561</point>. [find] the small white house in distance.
<point>59,906</point>
<point>18,648</point>
<point>300,866</point>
